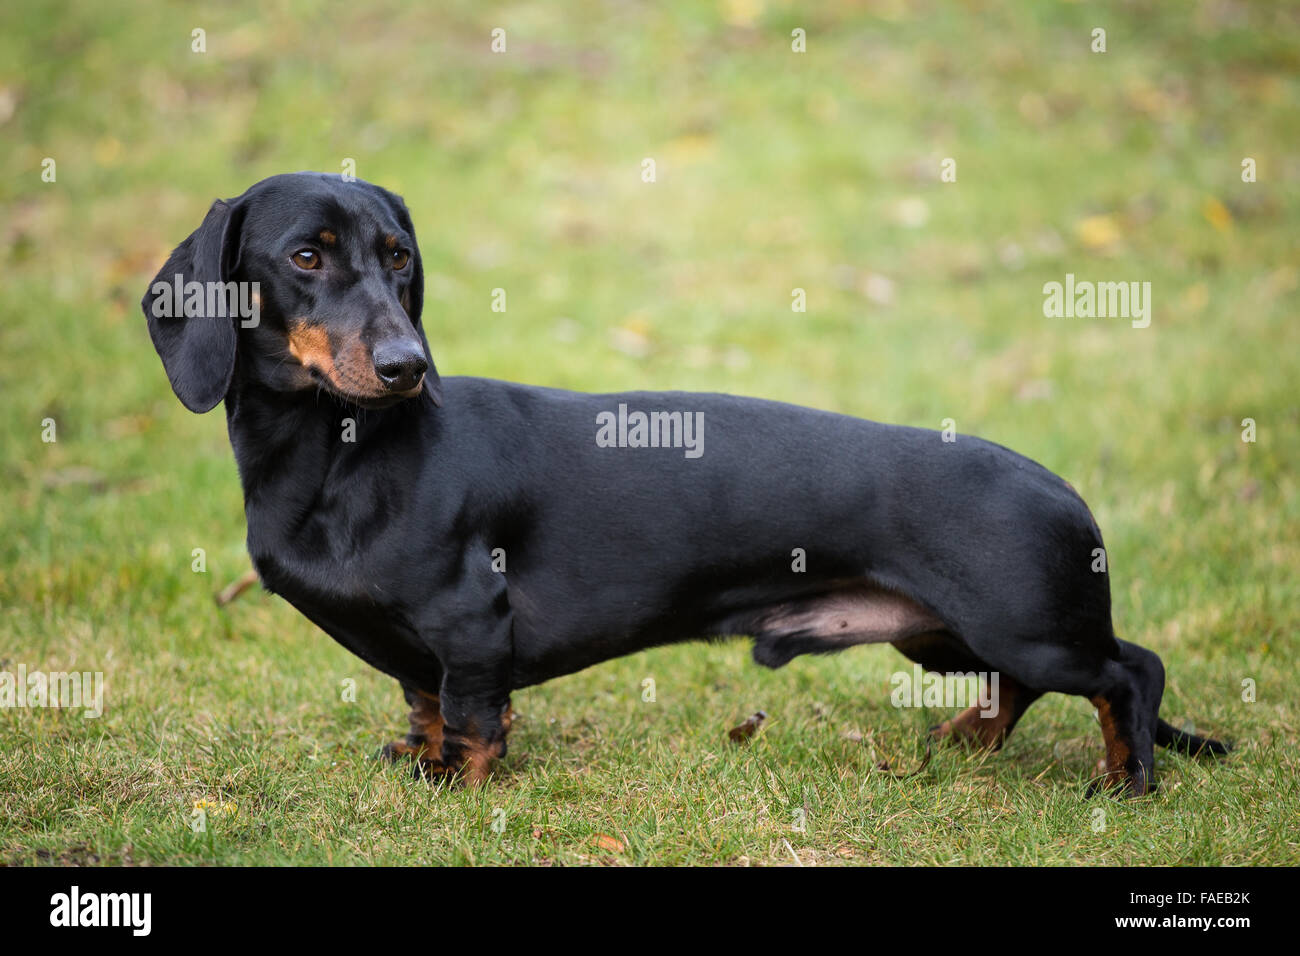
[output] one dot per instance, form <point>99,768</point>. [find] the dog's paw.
<point>1117,784</point>
<point>423,767</point>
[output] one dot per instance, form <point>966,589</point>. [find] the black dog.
<point>469,537</point>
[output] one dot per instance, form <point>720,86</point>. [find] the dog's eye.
<point>306,259</point>
<point>400,258</point>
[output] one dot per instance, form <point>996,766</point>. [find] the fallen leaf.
<point>742,13</point>
<point>1195,298</point>
<point>748,728</point>
<point>607,843</point>
<point>1216,213</point>
<point>1098,232</point>
<point>689,149</point>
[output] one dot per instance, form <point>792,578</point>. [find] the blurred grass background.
<point>775,171</point>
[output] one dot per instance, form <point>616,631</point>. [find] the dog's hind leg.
<point>984,728</point>
<point>1128,705</point>
<point>989,728</point>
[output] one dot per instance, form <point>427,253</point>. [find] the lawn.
<point>774,171</point>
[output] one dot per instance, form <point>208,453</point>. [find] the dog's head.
<point>311,281</point>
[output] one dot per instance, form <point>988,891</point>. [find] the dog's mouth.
<point>345,369</point>
<point>359,398</point>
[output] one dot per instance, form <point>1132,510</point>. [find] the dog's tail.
<point>1190,744</point>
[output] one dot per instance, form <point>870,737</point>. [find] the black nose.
<point>399,365</point>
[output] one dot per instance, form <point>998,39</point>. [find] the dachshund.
<point>470,537</point>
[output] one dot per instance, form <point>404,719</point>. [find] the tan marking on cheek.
<point>310,345</point>
<point>328,237</point>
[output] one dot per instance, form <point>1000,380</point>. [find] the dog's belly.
<point>851,614</point>
<point>831,617</point>
<point>845,615</point>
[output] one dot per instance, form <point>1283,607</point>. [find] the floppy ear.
<point>197,349</point>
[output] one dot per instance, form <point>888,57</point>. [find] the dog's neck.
<point>283,442</point>
<point>295,453</point>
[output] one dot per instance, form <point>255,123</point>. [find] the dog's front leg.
<point>476,712</point>
<point>424,743</point>
<point>475,737</point>
<point>473,642</point>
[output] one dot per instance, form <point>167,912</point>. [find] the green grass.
<point>775,171</point>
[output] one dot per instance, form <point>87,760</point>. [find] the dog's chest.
<point>351,603</point>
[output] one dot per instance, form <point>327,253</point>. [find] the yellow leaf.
<point>106,150</point>
<point>742,13</point>
<point>1196,297</point>
<point>1098,232</point>
<point>1217,214</point>
<point>690,148</point>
